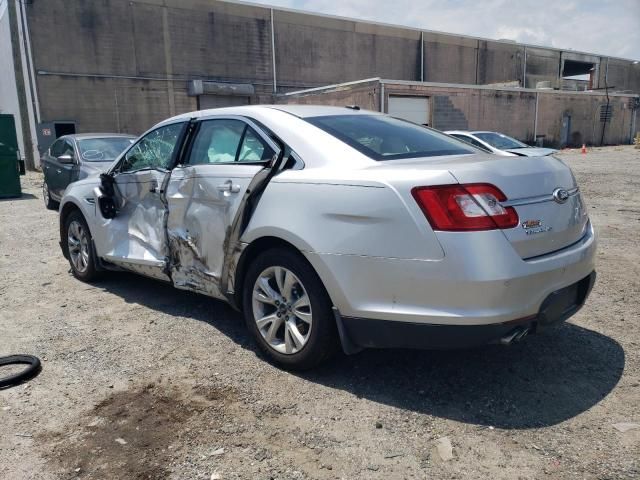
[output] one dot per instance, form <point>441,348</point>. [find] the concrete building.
<point>122,65</point>
<point>555,118</point>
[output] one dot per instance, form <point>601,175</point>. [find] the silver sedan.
<point>73,157</point>
<point>331,227</point>
<point>500,144</point>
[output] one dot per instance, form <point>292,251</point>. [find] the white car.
<point>500,144</point>
<point>334,226</point>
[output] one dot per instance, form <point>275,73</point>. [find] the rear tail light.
<point>461,208</point>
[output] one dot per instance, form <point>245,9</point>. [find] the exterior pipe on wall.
<point>524,69</point>
<point>273,53</point>
<point>422,56</point>
<point>29,108</point>
<point>27,52</point>
<point>535,122</point>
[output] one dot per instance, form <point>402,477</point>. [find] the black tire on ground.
<point>90,273</point>
<point>32,369</point>
<point>323,339</point>
<point>49,203</point>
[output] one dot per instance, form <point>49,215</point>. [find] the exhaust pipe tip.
<point>514,336</point>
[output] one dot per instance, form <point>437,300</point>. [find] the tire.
<point>49,203</point>
<point>304,329</point>
<point>80,247</point>
<point>31,371</point>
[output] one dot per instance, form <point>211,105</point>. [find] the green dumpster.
<point>10,162</point>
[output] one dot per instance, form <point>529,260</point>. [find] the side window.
<point>227,141</point>
<point>253,148</point>
<point>217,142</point>
<point>56,149</point>
<point>155,150</point>
<point>67,148</point>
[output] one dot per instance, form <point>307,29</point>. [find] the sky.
<point>605,27</point>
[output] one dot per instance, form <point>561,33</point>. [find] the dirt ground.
<point>143,381</point>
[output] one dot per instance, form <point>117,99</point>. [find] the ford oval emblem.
<point>560,195</point>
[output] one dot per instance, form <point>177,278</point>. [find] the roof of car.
<point>301,111</point>
<point>80,136</point>
<point>305,111</point>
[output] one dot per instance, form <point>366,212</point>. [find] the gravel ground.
<point>143,381</point>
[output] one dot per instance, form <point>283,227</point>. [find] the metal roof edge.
<point>497,87</point>
<point>329,87</point>
<point>386,81</point>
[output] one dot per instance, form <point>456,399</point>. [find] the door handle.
<point>229,187</point>
<point>59,171</point>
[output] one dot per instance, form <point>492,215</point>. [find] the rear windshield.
<point>102,149</point>
<point>500,141</point>
<point>385,138</point>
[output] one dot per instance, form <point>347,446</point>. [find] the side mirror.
<point>66,158</point>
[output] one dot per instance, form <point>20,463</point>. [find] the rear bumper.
<point>481,281</point>
<point>556,308</point>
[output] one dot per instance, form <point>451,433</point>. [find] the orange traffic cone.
<point>584,149</point>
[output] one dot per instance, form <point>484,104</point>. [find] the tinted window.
<point>254,149</point>
<point>155,150</point>
<point>67,148</point>
<point>225,141</point>
<point>102,149</point>
<point>385,138</point>
<point>56,149</point>
<point>500,141</point>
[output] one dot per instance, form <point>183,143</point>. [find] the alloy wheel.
<point>78,243</point>
<point>282,310</point>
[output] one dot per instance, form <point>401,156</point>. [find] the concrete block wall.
<point>449,59</point>
<point>586,126</point>
<point>446,116</point>
<point>98,62</point>
<point>112,105</point>
<point>315,51</point>
<point>542,65</point>
<point>499,62</point>
<point>455,108</point>
<point>138,49</point>
<point>366,96</point>
<point>509,111</point>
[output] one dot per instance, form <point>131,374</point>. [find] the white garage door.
<point>414,109</point>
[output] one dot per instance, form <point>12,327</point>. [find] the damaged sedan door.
<point>135,238</point>
<point>205,194</point>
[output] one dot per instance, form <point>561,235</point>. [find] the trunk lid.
<point>546,223</point>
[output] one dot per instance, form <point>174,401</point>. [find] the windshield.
<point>385,138</point>
<point>102,149</point>
<point>500,141</point>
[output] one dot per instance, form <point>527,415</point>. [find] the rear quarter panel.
<point>366,219</point>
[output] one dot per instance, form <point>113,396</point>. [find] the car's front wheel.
<point>288,310</point>
<point>50,203</point>
<point>79,247</point>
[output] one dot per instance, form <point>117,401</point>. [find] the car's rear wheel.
<point>50,203</point>
<point>79,246</point>
<point>288,310</point>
